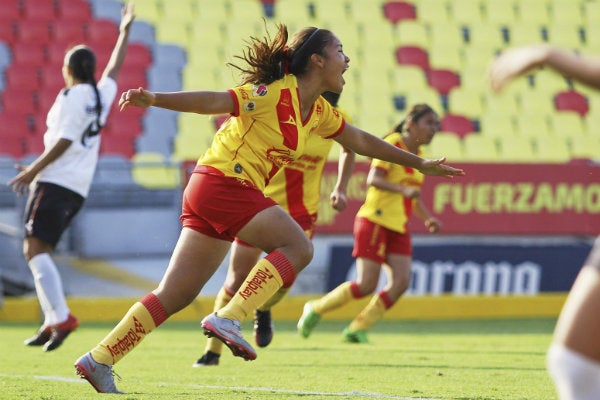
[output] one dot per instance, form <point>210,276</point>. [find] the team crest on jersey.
<point>259,90</point>
<point>250,106</point>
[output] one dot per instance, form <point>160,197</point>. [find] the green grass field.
<point>478,360</point>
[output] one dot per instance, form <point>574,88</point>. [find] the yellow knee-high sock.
<point>213,344</point>
<point>337,297</point>
<point>276,298</point>
<point>372,313</point>
<point>267,276</point>
<point>141,319</point>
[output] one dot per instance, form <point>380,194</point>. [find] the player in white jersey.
<point>59,179</point>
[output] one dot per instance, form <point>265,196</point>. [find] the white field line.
<point>241,388</point>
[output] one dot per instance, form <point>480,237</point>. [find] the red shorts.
<point>219,206</point>
<point>374,242</point>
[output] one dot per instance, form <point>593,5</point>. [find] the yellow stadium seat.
<point>499,13</point>
<point>151,170</point>
<point>565,35</point>
<point>570,11</point>
<point>449,145</point>
<point>501,103</point>
<point>182,11</point>
<point>432,11</point>
<point>592,39</point>
<point>532,125</point>
<point>485,37</point>
<point>548,83</point>
<point>208,10</point>
<point>149,11</point>
<point>553,150</point>
<point>446,34</point>
<point>467,102</point>
<point>497,125</point>
<point>591,13</point>
<point>294,13</point>
<point>566,124</point>
<point>368,12</point>
<point>523,34</point>
<point>587,146</point>
<point>517,149</point>
<point>190,147</point>
<point>408,78</point>
<point>245,10</point>
<point>533,12</point>
<point>173,32</point>
<point>532,102</point>
<point>412,33</point>
<point>479,148</point>
<point>443,56</point>
<point>466,11</point>
<point>429,96</point>
<point>196,125</point>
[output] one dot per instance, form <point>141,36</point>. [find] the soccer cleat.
<point>263,328</point>
<point>41,337</point>
<point>228,331</point>
<point>308,320</point>
<point>100,376</point>
<point>359,336</point>
<point>60,332</point>
<point>208,359</point>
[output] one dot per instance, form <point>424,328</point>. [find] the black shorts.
<point>49,211</point>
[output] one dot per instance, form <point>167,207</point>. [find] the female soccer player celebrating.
<point>274,110</point>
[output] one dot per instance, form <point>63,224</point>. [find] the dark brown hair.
<point>82,62</point>
<point>414,114</point>
<point>270,59</point>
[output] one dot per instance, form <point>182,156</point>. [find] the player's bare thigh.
<point>578,326</point>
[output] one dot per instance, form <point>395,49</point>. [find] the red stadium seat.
<point>102,31</point>
<point>74,10</point>
<point>14,146</point>
<point>138,55</point>
<point>115,144</point>
<point>39,10</point>
<point>8,31</point>
<point>22,76</point>
<point>68,31</point>
<point>34,31</point>
<point>443,80</point>
<point>15,100</point>
<point>413,55</point>
<point>571,100</point>
<point>10,10</point>
<point>458,124</point>
<point>396,11</point>
<point>33,54</point>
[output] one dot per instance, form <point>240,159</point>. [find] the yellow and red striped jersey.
<point>266,132</point>
<point>391,209</point>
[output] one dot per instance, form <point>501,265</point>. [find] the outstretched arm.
<point>117,56</point>
<point>520,60</point>
<point>372,146</point>
<point>201,102</point>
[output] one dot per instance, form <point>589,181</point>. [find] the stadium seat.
<point>35,10</point>
<point>412,55</point>
<point>502,103</point>
<point>29,53</point>
<point>150,11</point>
<point>485,36</point>
<point>466,11</point>
<point>15,99</point>
<point>458,124</point>
<point>571,101</point>
<point>465,101</point>
<point>10,10</point>
<point>443,80</point>
<point>142,32</point>
<point>497,125</point>
<point>173,32</point>
<point>445,56</point>
<point>447,35</point>
<point>22,76</point>
<point>115,144</point>
<point>73,11</point>
<point>16,123</point>
<point>13,146</point>
<point>69,32</point>
<point>531,102</point>
<point>151,170</point>
<point>433,11</point>
<point>523,34</point>
<point>530,124</point>
<point>480,148</point>
<point>517,149</point>
<point>553,150</point>
<point>534,13</point>
<point>408,78</point>
<point>586,146</point>
<point>411,33</point>
<point>567,124</point>
<point>102,31</point>
<point>168,54</point>
<point>446,144</point>
<point>252,10</point>
<point>368,12</point>
<point>113,169</point>
<point>399,11</point>
<point>498,13</point>
<point>568,35</point>
<point>567,11</point>
<point>8,31</point>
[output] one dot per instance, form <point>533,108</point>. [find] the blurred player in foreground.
<point>60,178</point>
<point>380,235</point>
<point>574,356</point>
<point>296,188</point>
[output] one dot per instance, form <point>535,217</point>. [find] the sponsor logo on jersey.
<point>259,90</point>
<point>250,106</point>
